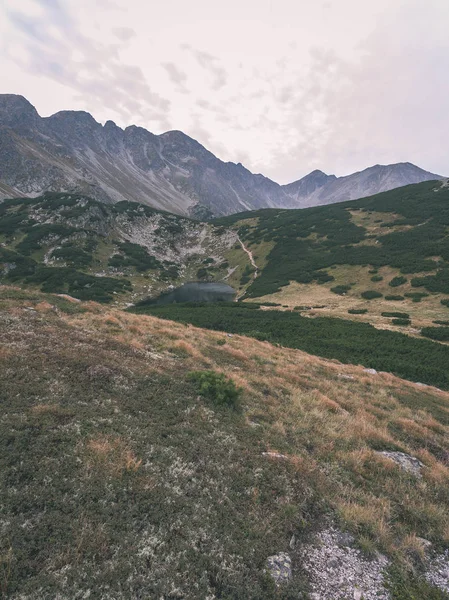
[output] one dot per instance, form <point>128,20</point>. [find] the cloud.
<point>177,76</point>
<point>330,85</point>
<point>124,33</point>
<point>210,64</point>
<point>56,48</point>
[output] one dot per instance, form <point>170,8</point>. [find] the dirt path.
<point>251,258</point>
<point>252,261</point>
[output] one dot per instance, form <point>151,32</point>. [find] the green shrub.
<point>416,295</point>
<point>133,255</point>
<point>341,289</point>
<point>436,333</point>
<point>396,281</point>
<point>441,322</point>
<point>445,302</point>
<point>216,387</point>
<point>394,298</point>
<point>401,321</point>
<point>376,278</point>
<point>398,315</point>
<point>434,283</point>
<point>357,311</point>
<point>371,294</point>
<point>373,271</point>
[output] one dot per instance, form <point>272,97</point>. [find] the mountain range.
<point>71,152</point>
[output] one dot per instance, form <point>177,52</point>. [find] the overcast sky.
<point>283,86</point>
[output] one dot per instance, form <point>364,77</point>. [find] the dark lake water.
<point>196,292</point>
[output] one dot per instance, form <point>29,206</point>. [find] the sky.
<point>282,86</point>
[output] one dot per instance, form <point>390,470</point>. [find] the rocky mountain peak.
<point>15,110</point>
<point>70,150</point>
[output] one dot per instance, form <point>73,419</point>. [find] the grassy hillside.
<point>122,477</point>
<point>71,244</point>
<point>395,244</point>
<point>419,360</point>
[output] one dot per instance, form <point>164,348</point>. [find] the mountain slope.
<point>395,244</point>
<point>68,243</point>
<point>148,487</point>
<point>71,152</point>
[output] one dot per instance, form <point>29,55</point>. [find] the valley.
<point>191,446</point>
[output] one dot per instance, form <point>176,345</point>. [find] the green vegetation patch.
<point>401,321</point>
<point>398,315</point>
<point>371,294</point>
<point>436,333</point>
<point>348,341</point>
<point>434,283</point>
<point>341,290</point>
<point>216,387</point>
<point>133,255</point>
<point>357,311</point>
<point>297,255</point>
<point>394,298</point>
<point>397,281</point>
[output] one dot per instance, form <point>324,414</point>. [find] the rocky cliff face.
<point>71,152</point>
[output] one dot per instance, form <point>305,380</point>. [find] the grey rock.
<point>438,572</point>
<point>405,461</point>
<point>345,539</point>
<point>279,566</point>
<point>338,572</point>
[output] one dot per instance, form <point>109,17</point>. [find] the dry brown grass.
<point>307,410</point>
<point>43,306</point>
<point>110,455</point>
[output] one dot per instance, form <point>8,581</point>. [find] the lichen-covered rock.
<point>405,461</point>
<point>279,566</point>
<point>337,571</point>
<point>438,572</point>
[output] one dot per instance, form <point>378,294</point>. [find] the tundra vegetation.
<point>126,471</point>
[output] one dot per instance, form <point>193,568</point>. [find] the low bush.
<point>398,315</point>
<point>340,289</point>
<point>401,321</point>
<point>441,322</point>
<point>394,298</point>
<point>216,387</point>
<point>414,295</point>
<point>396,281</point>
<point>445,302</point>
<point>371,294</point>
<point>376,278</point>
<point>357,311</point>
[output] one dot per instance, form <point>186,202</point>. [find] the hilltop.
<point>151,484</point>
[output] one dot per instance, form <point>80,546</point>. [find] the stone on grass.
<point>279,566</point>
<point>405,461</point>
